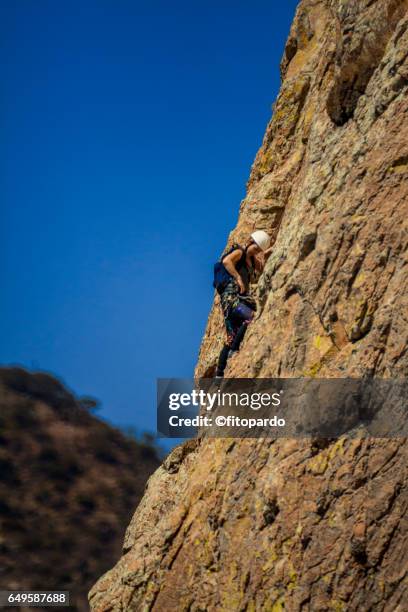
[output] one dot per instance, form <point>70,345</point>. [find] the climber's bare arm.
<point>230,262</point>
<point>261,258</point>
<point>257,258</point>
<point>254,258</point>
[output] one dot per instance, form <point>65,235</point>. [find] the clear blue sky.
<point>128,131</point>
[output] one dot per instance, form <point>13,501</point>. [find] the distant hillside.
<point>69,484</point>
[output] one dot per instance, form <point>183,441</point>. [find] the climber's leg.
<point>239,337</point>
<point>242,315</point>
<point>236,323</point>
<point>222,360</point>
<point>231,325</point>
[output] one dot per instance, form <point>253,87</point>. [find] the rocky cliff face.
<point>68,486</point>
<point>291,524</point>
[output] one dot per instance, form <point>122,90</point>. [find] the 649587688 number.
<point>34,598</point>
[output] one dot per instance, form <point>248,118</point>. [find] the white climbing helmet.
<point>262,239</point>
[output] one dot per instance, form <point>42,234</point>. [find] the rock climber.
<point>231,279</point>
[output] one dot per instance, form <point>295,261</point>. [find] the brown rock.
<point>295,524</point>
